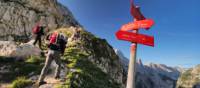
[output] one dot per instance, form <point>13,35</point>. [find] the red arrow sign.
<point>135,12</point>
<point>146,24</point>
<point>137,38</point>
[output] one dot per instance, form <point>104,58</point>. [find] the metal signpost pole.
<point>124,34</point>
<point>132,66</point>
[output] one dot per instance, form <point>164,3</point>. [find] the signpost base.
<point>132,67</point>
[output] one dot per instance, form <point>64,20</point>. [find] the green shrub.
<point>35,59</point>
<point>21,82</point>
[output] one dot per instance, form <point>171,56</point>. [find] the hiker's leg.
<point>36,39</point>
<point>46,66</point>
<point>59,63</point>
<point>40,42</point>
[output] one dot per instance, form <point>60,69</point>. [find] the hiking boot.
<point>42,83</point>
<point>38,84</point>
<point>57,77</point>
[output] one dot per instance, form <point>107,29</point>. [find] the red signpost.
<point>133,37</point>
<point>146,24</point>
<point>135,12</point>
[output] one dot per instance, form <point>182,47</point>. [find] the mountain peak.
<point>140,62</point>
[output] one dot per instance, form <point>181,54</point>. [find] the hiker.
<point>38,31</point>
<point>57,45</point>
<point>76,34</point>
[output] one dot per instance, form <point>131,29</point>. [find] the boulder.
<point>26,50</point>
<point>7,47</point>
<point>11,49</point>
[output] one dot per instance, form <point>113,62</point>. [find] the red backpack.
<point>53,38</point>
<point>36,29</point>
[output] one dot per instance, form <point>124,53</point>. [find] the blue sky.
<point>176,29</point>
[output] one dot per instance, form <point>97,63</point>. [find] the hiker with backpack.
<point>76,34</point>
<point>38,31</point>
<point>57,45</point>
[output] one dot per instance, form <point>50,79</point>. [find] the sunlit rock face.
<point>18,17</point>
<point>190,78</point>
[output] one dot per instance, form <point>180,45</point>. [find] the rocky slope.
<point>91,66</point>
<point>86,64</point>
<point>152,75</point>
<point>90,62</point>
<point>190,78</point>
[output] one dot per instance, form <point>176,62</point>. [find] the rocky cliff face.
<point>190,78</point>
<point>18,17</point>
<point>152,75</point>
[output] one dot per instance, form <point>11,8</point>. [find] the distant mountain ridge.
<point>152,75</point>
